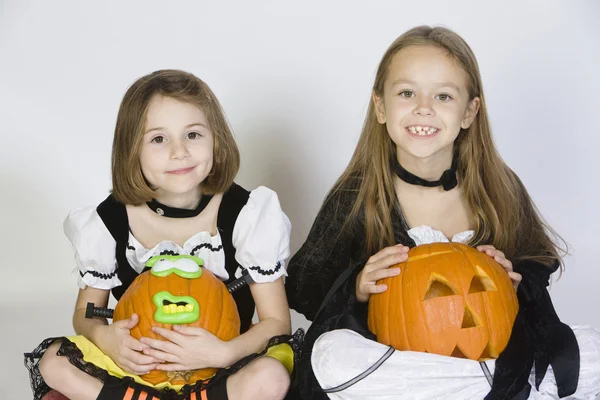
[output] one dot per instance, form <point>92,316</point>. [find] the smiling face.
<point>425,102</point>
<point>176,154</point>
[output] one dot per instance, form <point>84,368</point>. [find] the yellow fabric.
<point>94,355</point>
<point>284,353</point>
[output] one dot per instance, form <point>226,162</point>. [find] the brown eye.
<point>158,139</point>
<point>193,135</point>
<point>406,93</point>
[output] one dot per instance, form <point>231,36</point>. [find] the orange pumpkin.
<point>449,299</point>
<point>169,295</point>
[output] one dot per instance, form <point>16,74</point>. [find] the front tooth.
<point>419,129</point>
<point>172,308</point>
<point>189,307</point>
<point>180,309</point>
<point>165,309</point>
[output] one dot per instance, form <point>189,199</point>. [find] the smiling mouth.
<point>175,310</point>
<point>181,171</point>
<point>420,130</point>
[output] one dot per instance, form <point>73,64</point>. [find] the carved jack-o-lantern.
<point>449,299</point>
<point>177,290</point>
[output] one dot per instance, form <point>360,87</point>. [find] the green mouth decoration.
<point>175,310</point>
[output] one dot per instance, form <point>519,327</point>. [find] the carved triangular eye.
<point>438,288</point>
<point>481,282</point>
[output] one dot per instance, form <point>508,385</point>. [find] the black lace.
<point>75,356</point>
<point>266,271</point>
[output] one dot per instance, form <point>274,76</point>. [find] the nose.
<point>178,150</point>
<point>423,108</point>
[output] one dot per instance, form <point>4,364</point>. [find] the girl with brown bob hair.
<point>425,170</point>
<point>174,160</point>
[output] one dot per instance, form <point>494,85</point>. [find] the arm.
<point>274,319</point>
<point>538,338</point>
<point>88,327</point>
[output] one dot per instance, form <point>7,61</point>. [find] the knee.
<point>274,374</point>
<point>265,378</point>
<point>52,366</point>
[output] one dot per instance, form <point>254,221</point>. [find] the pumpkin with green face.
<point>177,290</point>
<point>448,299</point>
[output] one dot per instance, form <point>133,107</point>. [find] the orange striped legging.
<point>123,390</point>
<point>138,394</point>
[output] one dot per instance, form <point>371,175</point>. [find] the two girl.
<point>425,170</point>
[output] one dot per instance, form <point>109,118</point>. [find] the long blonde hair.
<point>505,215</point>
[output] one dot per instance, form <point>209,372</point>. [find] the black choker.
<point>448,180</point>
<point>172,212</point>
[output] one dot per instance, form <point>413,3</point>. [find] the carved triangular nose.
<point>469,320</point>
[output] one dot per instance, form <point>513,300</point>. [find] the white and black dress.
<point>252,238</point>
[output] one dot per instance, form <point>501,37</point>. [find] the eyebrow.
<point>160,128</point>
<point>439,84</point>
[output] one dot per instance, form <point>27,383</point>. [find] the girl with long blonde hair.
<point>425,169</point>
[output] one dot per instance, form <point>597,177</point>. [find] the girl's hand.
<point>187,348</point>
<point>376,268</point>
<point>501,259</point>
<point>125,350</point>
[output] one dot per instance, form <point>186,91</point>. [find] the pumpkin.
<point>177,290</point>
<point>449,299</point>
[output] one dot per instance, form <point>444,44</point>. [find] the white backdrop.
<point>294,79</point>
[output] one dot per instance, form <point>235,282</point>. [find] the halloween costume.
<point>321,285</point>
<point>252,239</point>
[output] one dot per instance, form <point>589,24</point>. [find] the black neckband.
<point>172,212</point>
<point>448,180</point>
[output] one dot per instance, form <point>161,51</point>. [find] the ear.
<point>470,113</point>
<point>379,108</point>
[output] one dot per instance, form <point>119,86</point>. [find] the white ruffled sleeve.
<point>94,248</point>
<point>261,236</point>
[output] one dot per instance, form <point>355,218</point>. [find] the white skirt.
<point>340,356</point>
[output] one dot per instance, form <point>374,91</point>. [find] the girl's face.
<point>177,147</point>
<point>425,102</point>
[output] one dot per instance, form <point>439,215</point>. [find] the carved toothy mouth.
<point>489,352</point>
